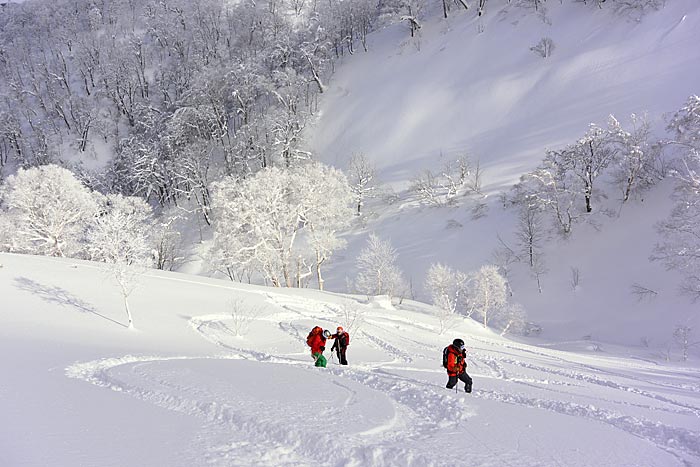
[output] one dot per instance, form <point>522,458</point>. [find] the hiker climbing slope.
<point>454,360</point>
<point>342,340</point>
<point>317,341</point>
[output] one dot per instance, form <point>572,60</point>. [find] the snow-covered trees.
<point>680,247</point>
<point>256,224</point>
<point>378,273</point>
<point>486,293</point>
<point>260,218</point>
<point>549,188</point>
<point>446,289</point>
<point>119,237</point>
<point>586,160</point>
<point>49,209</point>
<point>481,295</point>
<point>457,177</point>
<point>120,234</point>
<point>564,186</point>
<point>635,165</point>
<point>325,198</point>
<point>361,175</point>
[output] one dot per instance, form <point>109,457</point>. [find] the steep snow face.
<point>183,389</point>
<point>409,102</point>
<point>413,104</point>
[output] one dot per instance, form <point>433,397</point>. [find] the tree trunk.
<point>128,311</point>
<point>319,261</point>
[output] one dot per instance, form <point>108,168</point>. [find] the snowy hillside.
<point>78,388</point>
<point>168,137</point>
<point>412,104</point>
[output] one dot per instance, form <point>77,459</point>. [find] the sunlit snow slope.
<point>412,104</point>
<point>78,388</point>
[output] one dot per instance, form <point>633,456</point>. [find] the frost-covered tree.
<point>531,233</point>
<point>446,289</point>
<point>326,201</point>
<point>361,175</point>
<point>511,319</point>
<point>260,218</point>
<point>378,273</point>
<point>427,188</point>
<point>167,242</point>
<point>550,189</point>
<point>680,247</point>
<point>256,224</point>
<point>50,210</point>
<point>120,238</point>
<point>486,294</point>
<point>587,159</point>
<point>635,165</point>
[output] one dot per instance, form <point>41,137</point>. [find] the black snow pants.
<point>341,355</point>
<point>464,377</point>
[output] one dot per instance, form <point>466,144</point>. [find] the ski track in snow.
<point>422,408</point>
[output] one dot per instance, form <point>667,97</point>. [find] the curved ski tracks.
<point>414,400</point>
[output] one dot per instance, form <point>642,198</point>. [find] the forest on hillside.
<point>121,121</point>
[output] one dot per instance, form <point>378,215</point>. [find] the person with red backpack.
<point>454,360</point>
<point>342,340</point>
<point>317,341</point>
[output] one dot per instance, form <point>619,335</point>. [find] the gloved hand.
<point>322,348</point>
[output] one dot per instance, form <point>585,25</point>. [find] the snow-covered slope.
<point>407,102</point>
<point>411,104</point>
<point>78,388</point>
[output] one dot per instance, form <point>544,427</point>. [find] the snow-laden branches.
<point>50,211</point>
<point>120,238</point>
<point>378,273</point>
<point>259,221</point>
<point>482,295</point>
<point>680,247</point>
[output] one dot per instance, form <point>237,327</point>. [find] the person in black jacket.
<point>342,340</point>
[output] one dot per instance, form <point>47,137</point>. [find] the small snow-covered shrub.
<point>544,47</point>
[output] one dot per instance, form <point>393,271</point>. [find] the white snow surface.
<point>79,388</point>
<point>412,104</point>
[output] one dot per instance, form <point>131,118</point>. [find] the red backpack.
<point>316,330</point>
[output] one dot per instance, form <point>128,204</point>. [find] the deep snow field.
<point>602,385</point>
<point>79,388</point>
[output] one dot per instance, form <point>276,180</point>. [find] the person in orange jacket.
<point>457,365</point>
<point>342,340</point>
<point>317,341</point>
